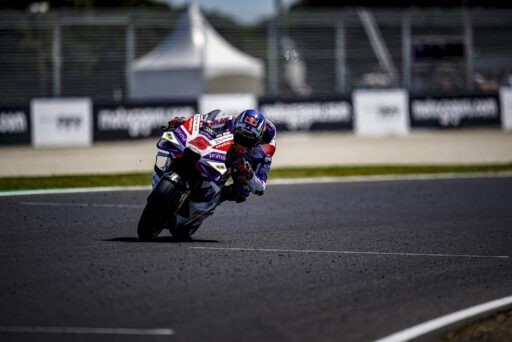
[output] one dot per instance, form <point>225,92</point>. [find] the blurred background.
<point>76,72</point>
<point>307,48</point>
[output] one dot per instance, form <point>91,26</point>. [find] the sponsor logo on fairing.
<point>223,138</point>
<point>216,156</point>
<point>180,134</point>
<point>224,142</point>
<point>224,146</point>
<point>196,121</point>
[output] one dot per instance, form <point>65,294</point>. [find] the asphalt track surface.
<point>307,262</point>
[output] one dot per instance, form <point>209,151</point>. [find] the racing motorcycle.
<point>187,156</point>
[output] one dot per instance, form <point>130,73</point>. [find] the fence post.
<point>130,53</point>
<point>273,59</point>
<point>468,44</point>
<point>56,56</point>
<point>341,57</point>
<point>406,50</point>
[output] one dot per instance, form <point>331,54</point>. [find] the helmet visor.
<point>245,141</point>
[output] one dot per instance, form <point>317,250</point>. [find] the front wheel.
<point>160,209</point>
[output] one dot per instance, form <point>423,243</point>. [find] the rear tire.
<point>160,209</point>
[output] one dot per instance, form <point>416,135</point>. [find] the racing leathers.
<point>250,169</point>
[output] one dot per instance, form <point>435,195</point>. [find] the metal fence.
<point>307,54</point>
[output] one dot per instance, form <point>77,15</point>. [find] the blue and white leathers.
<point>208,197</point>
<point>260,159</point>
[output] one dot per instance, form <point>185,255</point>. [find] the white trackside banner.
<point>61,122</point>
<point>506,108</point>
<point>231,104</point>
<point>381,112</point>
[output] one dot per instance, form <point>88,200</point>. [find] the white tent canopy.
<point>194,59</point>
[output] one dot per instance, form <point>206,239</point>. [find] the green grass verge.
<point>79,181</point>
<point>74,181</point>
<point>340,171</point>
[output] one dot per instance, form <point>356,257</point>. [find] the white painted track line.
<point>81,205</point>
<point>447,320</point>
<point>87,330</point>
<point>313,180</point>
<point>73,190</point>
<point>383,178</point>
<point>352,252</point>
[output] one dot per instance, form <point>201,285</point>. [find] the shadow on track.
<point>160,239</point>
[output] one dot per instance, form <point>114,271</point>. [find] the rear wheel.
<point>160,209</point>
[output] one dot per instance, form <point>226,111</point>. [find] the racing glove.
<point>244,174</point>
<point>244,168</point>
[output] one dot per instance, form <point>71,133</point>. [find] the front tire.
<point>160,209</point>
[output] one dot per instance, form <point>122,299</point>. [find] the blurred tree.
<point>23,4</point>
<point>401,3</point>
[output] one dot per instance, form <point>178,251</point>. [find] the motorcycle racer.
<point>249,160</point>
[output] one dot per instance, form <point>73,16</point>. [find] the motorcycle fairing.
<point>213,152</point>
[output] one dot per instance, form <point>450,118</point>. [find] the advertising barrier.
<point>136,121</point>
<point>454,111</point>
<point>61,122</point>
<point>308,115</point>
<point>381,112</point>
<point>75,122</point>
<point>15,125</point>
<point>506,108</point>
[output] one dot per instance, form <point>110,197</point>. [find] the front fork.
<point>182,185</point>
